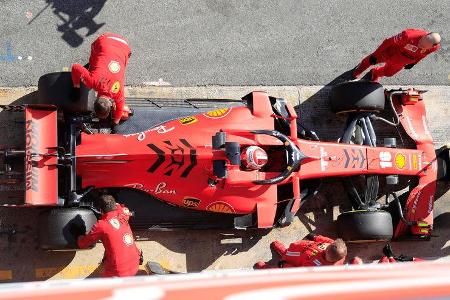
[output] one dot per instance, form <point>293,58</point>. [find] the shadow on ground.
<point>73,15</point>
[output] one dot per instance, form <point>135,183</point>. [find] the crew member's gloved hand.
<point>387,251</point>
<point>373,60</point>
<point>114,128</point>
<point>408,67</point>
<point>141,258</point>
<point>76,230</point>
<point>310,236</point>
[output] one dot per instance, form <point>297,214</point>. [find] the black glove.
<point>387,251</point>
<point>402,258</point>
<point>76,230</point>
<point>310,236</point>
<point>281,263</point>
<point>141,258</point>
<point>408,67</point>
<point>373,60</point>
<point>114,128</point>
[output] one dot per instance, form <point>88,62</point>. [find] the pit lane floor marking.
<point>6,275</point>
<point>72,272</point>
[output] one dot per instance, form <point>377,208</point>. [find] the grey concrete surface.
<point>193,250</point>
<point>221,42</point>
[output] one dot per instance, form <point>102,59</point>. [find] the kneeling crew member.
<point>122,257</point>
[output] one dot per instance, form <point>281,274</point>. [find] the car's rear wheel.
<point>365,225</point>
<point>57,89</point>
<point>357,96</point>
<point>59,227</point>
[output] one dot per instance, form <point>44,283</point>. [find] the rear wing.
<point>41,158</point>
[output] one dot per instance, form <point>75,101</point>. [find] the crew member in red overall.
<point>317,251</point>
<point>122,257</point>
<point>106,75</point>
<point>401,51</point>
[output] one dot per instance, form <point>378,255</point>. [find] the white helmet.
<point>253,157</point>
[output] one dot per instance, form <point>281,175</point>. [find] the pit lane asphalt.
<point>220,42</point>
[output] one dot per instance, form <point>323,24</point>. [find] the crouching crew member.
<point>316,251</point>
<point>106,75</point>
<point>122,257</point>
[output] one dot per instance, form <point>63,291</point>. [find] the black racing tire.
<point>57,89</point>
<point>364,225</point>
<point>354,96</point>
<point>57,227</point>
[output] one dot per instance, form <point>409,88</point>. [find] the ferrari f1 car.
<point>224,163</point>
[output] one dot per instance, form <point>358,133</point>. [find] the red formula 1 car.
<point>243,165</point>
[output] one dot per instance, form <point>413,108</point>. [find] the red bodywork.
<point>174,161</point>
<point>41,171</point>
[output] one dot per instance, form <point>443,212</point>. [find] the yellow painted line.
<point>6,275</point>
<point>70,272</point>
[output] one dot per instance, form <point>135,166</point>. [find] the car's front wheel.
<point>365,225</point>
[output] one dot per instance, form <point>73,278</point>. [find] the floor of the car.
<point>151,213</point>
<point>152,112</point>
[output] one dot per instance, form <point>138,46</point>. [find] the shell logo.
<point>220,207</point>
<point>400,160</point>
<point>217,113</point>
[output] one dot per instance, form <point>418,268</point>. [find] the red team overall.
<point>401,51</point>
<point>122,257</point>
<point>106,75</point>
<point>319,251</point>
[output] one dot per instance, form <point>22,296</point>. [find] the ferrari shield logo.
<point>115,87</point>
<point>188,120</point>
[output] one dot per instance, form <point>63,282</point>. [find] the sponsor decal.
<point>138,186</point>
<point>126,211</point>
<point>128,239</point>
<point>416,201</point>
<point>142,135</point>
<point>385,159</point>
<point>161,189</point>
<point>400,160</point>
<point>354,158</point>
<point>188,120</point>
<point>317,262</point>
<point>430,204</point>
<point>177,158</point>
<point>114,67</point>
<point>411,48</point>
<point>220,207</point>
<point>322,246</point>
<point>114,223</point>
<point>191,202</point>
<point>218,113</point>
<point>415,162</point>
<point>115,87</point>
<point>31,147</point>
<point>323,162</point>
